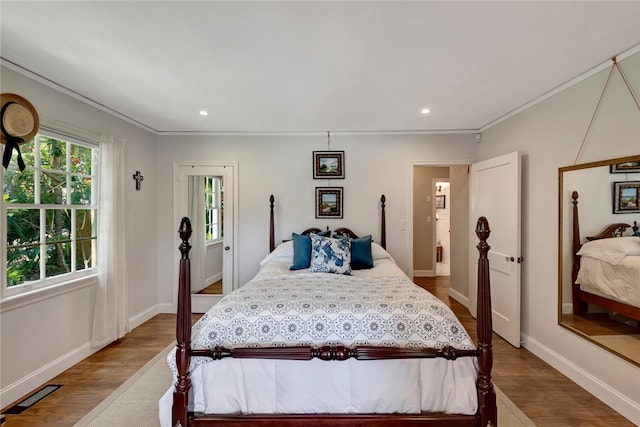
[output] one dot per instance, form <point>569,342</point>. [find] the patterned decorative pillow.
<point>330,255</point>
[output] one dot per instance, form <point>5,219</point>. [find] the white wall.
<point>43,338</point>
<point>282,165</point>
<point>549,135</point>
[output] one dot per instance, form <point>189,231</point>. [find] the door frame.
<point>179,206</point>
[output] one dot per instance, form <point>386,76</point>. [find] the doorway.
<point>435,218</point>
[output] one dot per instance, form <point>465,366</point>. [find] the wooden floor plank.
<point>541,392</point>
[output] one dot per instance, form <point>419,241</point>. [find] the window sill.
<point>31,297</point>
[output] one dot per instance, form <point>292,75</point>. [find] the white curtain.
<point>198,244</point>
<point>111,314</point>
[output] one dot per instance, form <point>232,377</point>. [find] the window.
<point>213,208</point>
<point>51,213</point>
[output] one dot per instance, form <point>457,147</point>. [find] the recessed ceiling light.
<point>204,113</point>
<point>425,111</point>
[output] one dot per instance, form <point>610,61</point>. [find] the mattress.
<point>620,282</point>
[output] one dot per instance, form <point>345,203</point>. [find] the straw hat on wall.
<point>19,123</point>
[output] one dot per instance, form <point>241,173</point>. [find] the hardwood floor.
<point>546,396</point>
<point>543,394</point>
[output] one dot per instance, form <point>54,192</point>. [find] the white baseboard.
<point>139,319</point>
<point>462,299</point>
<point>41,376</point>
<point>616,400</point>
<point>166,308</point>
<point>424,273</point>
<point>214,278</point>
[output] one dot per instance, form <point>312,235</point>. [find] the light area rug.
<point>135,403</point>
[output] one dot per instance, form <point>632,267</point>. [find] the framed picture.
<point>626,167</point>
<point>441,202</point>
<point>625,197</point>
<point>328,202</point>
<point>328,164</point>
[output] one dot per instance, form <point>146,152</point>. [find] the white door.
<point>495,194</point>
<point>227,171</point>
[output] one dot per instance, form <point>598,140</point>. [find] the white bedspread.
<point>620,282</point>
<point>380,306</point>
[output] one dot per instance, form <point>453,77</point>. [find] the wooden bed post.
<point>579,307</point>
<point>383,223</point>
<point>183,329</point>
<point>272,237</point>
<point>486,394</point>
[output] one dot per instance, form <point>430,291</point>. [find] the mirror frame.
<point>561,204</point>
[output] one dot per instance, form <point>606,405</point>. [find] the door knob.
<point>510,259</point>
<point>226,248</point>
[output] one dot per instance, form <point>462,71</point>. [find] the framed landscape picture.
<point>328,164</point>
<point>625,197</point>
<point>626,167</point>
<point>328,202</point>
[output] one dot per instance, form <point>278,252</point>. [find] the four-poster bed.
<point>606,268</point>
<point>403,370</point>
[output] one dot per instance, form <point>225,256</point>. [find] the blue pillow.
<point>302,250</point>
<point>361,257</point>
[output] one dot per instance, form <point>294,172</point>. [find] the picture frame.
<point>441,202</point>
<point>626,167</point>
<point>625,197</point>
<point>328,164</point>
<point>329,202</point>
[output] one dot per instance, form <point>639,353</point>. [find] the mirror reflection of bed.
<point>593,307</point>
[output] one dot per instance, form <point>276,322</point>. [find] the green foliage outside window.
<point>51,217</point>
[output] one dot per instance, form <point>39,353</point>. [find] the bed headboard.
<point>339,230</point>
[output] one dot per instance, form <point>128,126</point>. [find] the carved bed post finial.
<point>183,327</point>
<point>272,237</point>
<point>383,223</point>
<point>486,392</point>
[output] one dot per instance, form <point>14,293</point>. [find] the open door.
<point>495,194</point>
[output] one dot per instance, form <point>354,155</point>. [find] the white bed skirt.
<point>252,386</point>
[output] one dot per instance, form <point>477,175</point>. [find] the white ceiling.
<point>313,66</point>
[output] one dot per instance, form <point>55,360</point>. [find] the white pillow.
<point>611,250</point>
<point>282,253</point>
<point>377,252</point>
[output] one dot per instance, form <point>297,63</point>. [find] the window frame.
<point>74,277</point>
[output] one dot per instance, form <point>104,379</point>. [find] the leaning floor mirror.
<point>599,254</point>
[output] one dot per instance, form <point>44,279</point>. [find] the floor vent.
<point>28,402</point>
